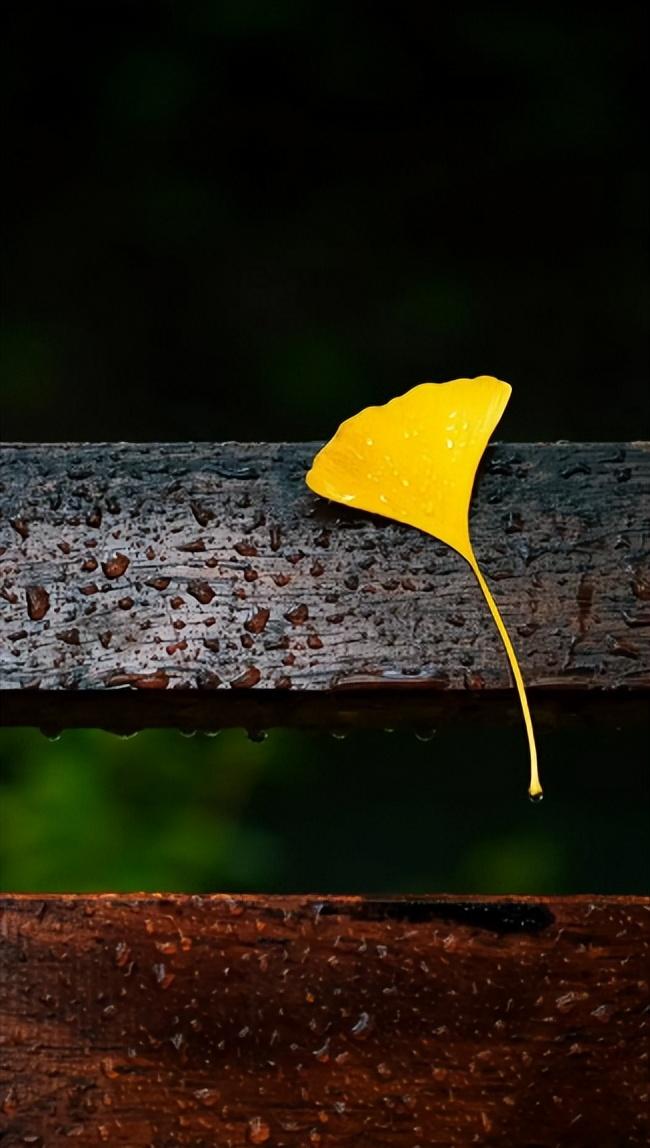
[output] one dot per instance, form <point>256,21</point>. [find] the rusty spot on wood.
<point>195,547</point>
<point>64,547</point>
<point>70,637</point>
<point>635,621</point>
<point>282,579</point>
<point>126,603</point>
<point>258,1131</point>
<point>246,549</point>
<point>115,566</point>
<point>157,681</point>
<point>202,591</point>
<point>20,526</point>
<point>622,647</point>
<point>298,616</point>
<point>94,518</point>
<point>89,565</point>
<point>38,602</point>
<point>211,644</point>
<point>158,583</point>
<point>641,587</point>
<point>201,513</point>
<point>245,681</point>
<point>174,646</point>
<point>257,623</point>
<point>90,588</point>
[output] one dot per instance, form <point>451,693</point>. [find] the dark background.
<point>247,219</point>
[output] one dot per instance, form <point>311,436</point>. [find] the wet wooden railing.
<point>294,1021</point>
<point>203,585</point>
<point>173,584</point>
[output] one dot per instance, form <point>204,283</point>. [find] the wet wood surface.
<point>299,1021</point>
<point>206,575</point>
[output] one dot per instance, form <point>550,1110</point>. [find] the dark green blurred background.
<point>246,219</point>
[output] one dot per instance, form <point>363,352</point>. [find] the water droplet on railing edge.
<point>257,735</point>
<point>425,734</point>
<point>51,733</point>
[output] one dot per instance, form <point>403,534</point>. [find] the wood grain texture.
<point>203,568</point>
<point>297,1021</point>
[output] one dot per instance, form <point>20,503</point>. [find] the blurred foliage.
<point>301,811</point>
<point>242,219</point>
<point>247,219</point>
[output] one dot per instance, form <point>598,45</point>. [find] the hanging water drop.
<point>425,734</point>
<point>52,734</point>
<point>257,735</point>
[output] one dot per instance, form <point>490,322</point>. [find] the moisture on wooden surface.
<point>298,1021</point>
<point>211,568</point>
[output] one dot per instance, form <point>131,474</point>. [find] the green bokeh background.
<point>310,812</point>
<point>235,219</point>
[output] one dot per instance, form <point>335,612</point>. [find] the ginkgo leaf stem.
<point>535,789</point>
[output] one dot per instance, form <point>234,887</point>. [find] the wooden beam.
<point>188,574</point>
<point>296,1021</point>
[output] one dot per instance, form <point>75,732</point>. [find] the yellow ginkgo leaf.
<point>415,460</point>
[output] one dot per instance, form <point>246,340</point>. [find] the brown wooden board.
<point>206,575</point>
<point>296,1021</point>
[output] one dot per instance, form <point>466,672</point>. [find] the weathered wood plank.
<point>200,567</point>
<point>297,1021</point>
